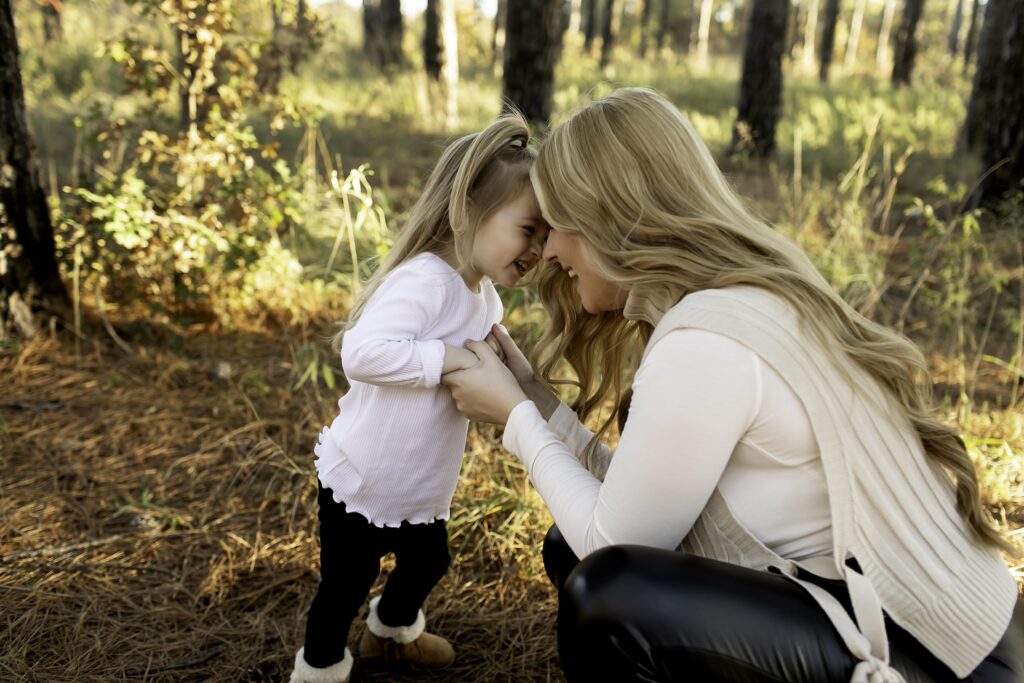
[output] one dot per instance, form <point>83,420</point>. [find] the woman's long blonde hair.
<point>632,178</point>
<point>475,176</point>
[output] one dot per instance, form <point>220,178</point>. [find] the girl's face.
<point>596,293</point>
<point>509,242</point>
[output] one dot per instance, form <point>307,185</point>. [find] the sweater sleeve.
<point>694,397</point>
<point>387,345</point>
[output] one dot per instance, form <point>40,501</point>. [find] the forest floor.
<point>158,522</point>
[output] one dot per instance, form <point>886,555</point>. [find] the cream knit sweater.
<point>892,509</point>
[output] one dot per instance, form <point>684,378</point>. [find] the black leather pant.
<point>632,613</point>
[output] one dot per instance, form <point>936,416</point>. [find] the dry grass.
<point>158,523</point>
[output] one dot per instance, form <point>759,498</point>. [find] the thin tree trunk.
<point>53,29</point>
<point>645,28</point>
<point>29,276</point>
<point>610,30</point>
<point>301,21</point>
<point>704,31</point>
<point>985,88</point>
<point>760,101</point>
<point>810,33</point>
<point>828,39</point>
<point>531,53</point>
<point>906,42</point>
<point>589,24</point>
<point>855,27</point>
<point>953,44</point>
<point>498,37</point>
<point>663,22</point>
<point>433,48</point>
<point>885,34</point>
<point>450,71</point>
<point>392,30</point>
<point>972,29</point>
<point>1002,152</point>
<point>575,17</point>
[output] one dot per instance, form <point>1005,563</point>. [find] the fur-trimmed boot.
<point>305,672</point>
<point>410,644</point>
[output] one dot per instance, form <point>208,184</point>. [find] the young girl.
<point>389,463</point>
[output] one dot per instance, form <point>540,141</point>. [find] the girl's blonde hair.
<point>632,178</point>
<point>476,175</point>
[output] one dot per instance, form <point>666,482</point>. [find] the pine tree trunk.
<point>450,70</point>
<point>392,31</point>
<point>498,36</point>
<point>704,30</point>
<point>953,44</point>
<point>663,22</point>
<point>810,33</point>
<point>1003,147</point>
<point>575,17</point>
<point>382,32</point>
<point>29,277</point>
<point>645,28</point>
<point>972,29</point>
<point>906,42</point>
<point>855,26</point>
<point>610,29</point>
<point>885,34</point>
<point>531,53</point>
<point>760,102</point>
<point>589,24</point>
<point>987,75</point>
<point>828,39</point>
<point>53,29</point>
<point>433,49</point>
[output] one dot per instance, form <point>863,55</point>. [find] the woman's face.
<point>596,293</point>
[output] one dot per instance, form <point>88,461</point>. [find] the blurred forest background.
<point>192,192</point>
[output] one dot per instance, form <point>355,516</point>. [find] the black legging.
<point>633,613</point>
<point>350,552</point>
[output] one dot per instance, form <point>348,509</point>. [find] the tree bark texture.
<point>382,32</point>
<point>589,23</point>
<point>610,29</point>
<point>972,29</point>
<point>28,264</point>
<point>533,45</point>
<point>1002,153</point>
<point>953,43</point>
<point>760,102</point>
<point>985,88</point>
<point>828,38</point>
<point>906,42</point>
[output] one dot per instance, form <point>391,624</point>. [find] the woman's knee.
<point>559,559</point>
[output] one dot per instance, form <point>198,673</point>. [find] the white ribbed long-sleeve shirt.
<point>706,412</point>
<point>394,452</point>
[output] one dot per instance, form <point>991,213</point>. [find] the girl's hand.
<point>486,392</point>
<point>511,356</point>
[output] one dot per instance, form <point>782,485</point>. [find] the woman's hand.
<point>510,355</point>
<point>488,391</point>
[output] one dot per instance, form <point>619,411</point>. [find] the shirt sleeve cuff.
<point>432,359</point>
<point>566,424</point>
<point>526,433</point>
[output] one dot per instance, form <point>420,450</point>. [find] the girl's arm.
<point>694,397</point>
<point>388,345</point>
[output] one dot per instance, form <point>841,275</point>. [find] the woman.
<point>831,529</point>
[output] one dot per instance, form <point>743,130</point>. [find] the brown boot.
<point>411,644</point>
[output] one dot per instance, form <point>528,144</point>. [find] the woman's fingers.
<point>512,356</point>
